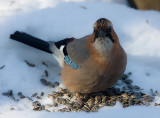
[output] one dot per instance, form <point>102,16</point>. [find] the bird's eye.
<point>96,35</point>
<point>109,29</point>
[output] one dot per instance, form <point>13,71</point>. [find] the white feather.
<point>103,45</point>
<point>58,54</point>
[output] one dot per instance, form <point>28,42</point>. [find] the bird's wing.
<point>77,50</point>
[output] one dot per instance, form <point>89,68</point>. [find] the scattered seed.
<point>48,105</point>
<point>147,98</point>
<point>156,104</point>
<point>38,97</point>
<point>157,93</point>
<point>147,74</point>
<point>13,98</point>
<point>137,87</point>
<point>42,107</point>
<point>125,88</point>
<point>119,82</point>
<point>42,93</point>
<point>2,67</point>
<point>11,109</point>
<point>147,21</point>
<point>130,73</point>
<point>46,73</point>
<point>50,84</point>
<point>21,95</point>
<point>29,99</point>
<point>124,77</point>
<point>152,93</point>
<point>29,64</point>
<point>44,64</point>
<point>56,84</point>
<point>44,82</point>
<point>36,106</point>
<point>83,7</point>
<point>48,110</point>
<point>55,104</point>
<point>130,95</point>
<point>50,96</point>
<point>95,108</point>
<point>9,93</point>
<point>34,95</point>
<point>86,108</point>
<point>128,81</point>
<point>54,110</point>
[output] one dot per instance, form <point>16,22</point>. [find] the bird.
<point>89,64</point>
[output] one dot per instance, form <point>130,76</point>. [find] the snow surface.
<point>138,31</point>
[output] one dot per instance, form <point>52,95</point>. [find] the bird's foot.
<point>79,99</point>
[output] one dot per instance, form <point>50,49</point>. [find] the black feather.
<point>31,41</point>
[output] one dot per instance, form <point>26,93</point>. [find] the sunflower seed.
<point>29,64</point>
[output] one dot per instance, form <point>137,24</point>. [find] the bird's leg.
<point>79,98</point>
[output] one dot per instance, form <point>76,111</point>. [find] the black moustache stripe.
<point>110,36</point>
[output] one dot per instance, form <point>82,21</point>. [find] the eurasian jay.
<point>89,64</point>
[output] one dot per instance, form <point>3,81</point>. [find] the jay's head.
<point>103,38</point>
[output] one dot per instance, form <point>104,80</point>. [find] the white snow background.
<point>53,20</point>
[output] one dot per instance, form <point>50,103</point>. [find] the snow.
<point>9,7</point>
<point>132,112</point>
<point>138,31</point>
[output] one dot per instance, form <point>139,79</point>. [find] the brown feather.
<point>99,71</point>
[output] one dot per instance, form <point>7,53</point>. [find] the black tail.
<point>31,41</point>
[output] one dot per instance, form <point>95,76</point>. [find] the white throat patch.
<point>103,45</point>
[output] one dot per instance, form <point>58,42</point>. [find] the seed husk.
<point>128,81</point>
<point>55,104</point>
<point>56,84</point>
<point>34,95</point>
<point>94,108</point>
<point>130,95</point>
<point>9,93</point>
<point>86,108</point>
<point>44,82</point>
<point>36,106</point>
<point>29,99</point>
<point>29,64</point>
<point>48,106</point>
<point>50,84</point>
<point>42,94</point>
<point>46,73</point>
<point>2,67</point>
<point>47,110</point>
<point>42,107</point>
<point>157,93</point>
<point>44,63</point>
<point>38,97</point>
<point>21,95</point>
<point>11,109</point>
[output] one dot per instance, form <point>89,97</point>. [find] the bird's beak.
<point>103,33</point>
